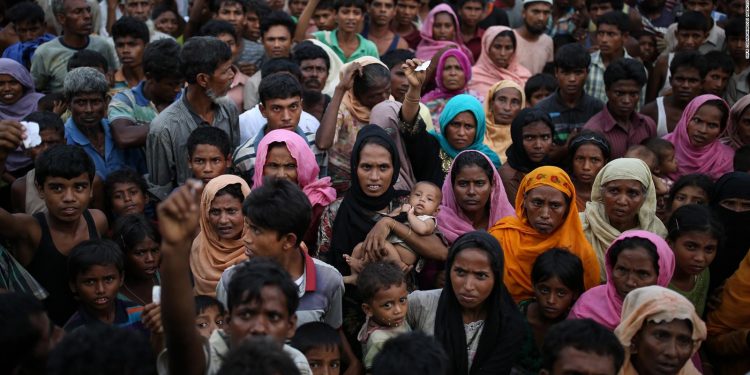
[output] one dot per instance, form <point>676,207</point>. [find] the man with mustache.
<point>534,48</point>
<point>314,64</point>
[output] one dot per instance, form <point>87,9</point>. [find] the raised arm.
<point>327,130</point>
<point>303,23</point>
<point>198,14</point>
<point>410,108</point>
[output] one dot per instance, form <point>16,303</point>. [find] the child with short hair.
<point>138,240</point>
<point>28,22</point>
<point>209,153</point>
<point>324,16</point>
<point>209,315</point>
<point>538,87</point>
<point>720,68</point>
<point>126,193</point>
<point>666,161</point>
<point>321,345</point>
<point>652,160</point>
<point>382,287</point>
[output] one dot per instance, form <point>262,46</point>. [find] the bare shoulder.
<point>100,219</point>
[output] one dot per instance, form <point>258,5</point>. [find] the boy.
<point>321,345</point>
<point>538,87</point>
<point>345,40</point>
<point>720,68</point>
<point>612,30</point>
<point>324,16</point>
<point>404,23</point>
<point>126,193</point>
<point>738,85</point>
<point>130,37</point>
<point>470,13</point>
<point>715,38</point>
<point>28,23</point>
<point>581,347</point>
<point>209,315</point>
<point>378,29</point>
<point>209,153</point>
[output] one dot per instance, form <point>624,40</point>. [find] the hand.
<point>59,107</point>
<point>347,80</point>
<point>375,240</point>
<point>12,134</point>
<point>406,207</point>
<point>247,68</point>
<point>416,79</point>
<point>151,318</point>
<point>179,213</point>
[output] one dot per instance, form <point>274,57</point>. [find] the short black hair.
<point>630,243</point>
<point>615,18</point>
<point>18,336</point>
<point>66,161</point>
<point>689,59</point>
<point>616,4</point>
<point>412,353</point>
<point>571,57</point>
<point>560,263</point>
<point>281,64</point>
<point>277,18</point>
<point>719,60</point>
<point>87,58</point>
<point>252,275</point>
<point>735,28</point>
<point>398,56</point>
<point>47,121</point>
<point>161,59</point>
<point>376,276</point>
<point>209,135</point>
<point>280,85</point>
<point>310,51</point>
<point>259,7</point>
<point>203,302</point>
<point>26,11</point>
<point>124,175</point>
<point>692,20</point>
<point>215,28</point>
<point>625,69</point>
<point>280,206</point>
<point>215,5</point>
<point>129,26</point>
<point>372,75</point>
<point>660,146</point>
<point>258,356</point>
<point>203,54</point>
<point>314,335</point>
<point>699,180</point>
<point>97,252</point>
<point>539,81</point>
<point>130,230</point>
<point>461,3</point>
<point>338,4</point>
<point>742,159</point>
<point>584,335</point>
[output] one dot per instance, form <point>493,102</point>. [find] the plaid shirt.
<point>595,79</point>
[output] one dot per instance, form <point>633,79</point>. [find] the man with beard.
<point>534,48</point>
<point>315,65</point>
<point>378,30</point>
<point>207,68</point>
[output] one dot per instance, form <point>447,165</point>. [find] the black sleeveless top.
<point>50,268</point>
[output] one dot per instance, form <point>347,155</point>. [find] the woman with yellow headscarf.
<point>504,100</point>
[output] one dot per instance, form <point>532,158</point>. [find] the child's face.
<point>296,7</point>
<point>716,82</point>
<point>66,198</point>
<point>50,138</point>
<point>388,307</point>
<point>207,162</point>
<point>425,199</point>
<point>97,287</point>
<point>127,198</point>
<point>554,298</point>
<point>689,195</point>
<point>348,18</point>
<point>324,360</point>
<point>264,242</point>
<point>325,19</point>
<point>29,30</point>
<point>167,23</point>
<point>143,260</point>
<point>209,320</point>
<point>538,95</point>
<point>225,217</point>
<point>694,252</point>
<point>571,81</point>
<point>265,316</point>
<point>130,51</point>
<point>669,163</point>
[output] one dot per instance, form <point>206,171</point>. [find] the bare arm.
<point>656,81</point>
<point>128,134</point>
<point>13,227</point>
<point>198,14</point>
<point>410,108</point>
<point>303,23</point>
<point>18,195</point>
<point>111,15</point>
<point>430,247</point>
<point>422,228</point>
<point>327,130</point>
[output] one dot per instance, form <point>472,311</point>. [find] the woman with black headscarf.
<point>731,203</point>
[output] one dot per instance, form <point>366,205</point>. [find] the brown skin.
<point>382,13</point>
<point>406,11</point>
<point>76,22</point>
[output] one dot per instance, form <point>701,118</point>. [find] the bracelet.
<point>408,99</point>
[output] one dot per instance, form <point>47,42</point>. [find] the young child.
<point>382,287</point>
<point>538,87</point>
<point>209,315</point>
<point>694,188</point>
<point>209,153</point>
<point>138,240</point>
<point>321,345</point>
<point>423,206</point>
<point>652,160</point>
<point>126,193</point>
<point>666,161</point>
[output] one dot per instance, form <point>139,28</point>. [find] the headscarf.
<point>428,47</point>
<point>599,232</point>
<point>731,185</point>
<point>498,136</point>
<point>486,73</point>
<point>517,156</point>
<point>735,115</point>
<point>318,191</point>
<point>211,255</point>
<point>441,92</point>
<point>453,221</point>
<point>350,102</point>
<point>385,114</point>
<point>502,334</point>
<point>733,314</point>
<point>28,102</point>
<point>357,214</point>
<point>455,106</point>
<point>522,243</point>
<point>659,305</point>
<point>714,159</point>
<point>602,303</point>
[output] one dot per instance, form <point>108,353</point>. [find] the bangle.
<point>408,99</point>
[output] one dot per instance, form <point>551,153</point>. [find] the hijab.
<point>453,221</point>
<point>211,255</point>
<point>486,73</point>
<point>731,185</point>
<point>714,159</point>
<point>441,92</point>
<point>503,331</point>
<point>28,102</point>
<point>659,305</point>
<point>360,112</point>
<point>735,115</point>
<point>599,232</point>
<point>498,136</point>
<point>318,191</point>
<point>385,115</point>
<point>602,303</point>
<point>522,243</point>
<point>428,47</point>
<point>459,104</point>
<point>517,156</point>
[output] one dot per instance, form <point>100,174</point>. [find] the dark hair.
<point>398,56</point>
<point>338,4</point>
<point>209,135</point>
<point>18,336</point>
<point>47,121</point>
<point>280,206</point>
<point>560,40</point>
<point>588,137</point>
<point>66,161</point>
<point>129,26</point>
<point>310,51</point>
<point>616,4</point>
<point>125,175</point>
<point>615,18</point>
<point>412,353</point>
<point>377,276</point>
<point>215,28</point>
<point>530,115</point>
<point>202,303</point>
<point>314,335</point>
<point>312,97</point>
<point>259,7</point>
<point>277,18</point>
<point>161,59</point>
<point>698,180</point>
<point>251,276</point>
<point>695,218</point>
<point>539,81</point>
<point>258,356</point>
<point>560,263</point>
<point>468,159</point>
<point>91,253</point>
<point>130,230</point>
<point>202,54</point>
<point>232,190</point>
<point>689,59</point>
<point>571,57</point>
<point>215,5</point>
<point>280,85</point>
<point>734,28</point>
<point>162,8</point>
<point>281,64</point>
<point>625,69</point>
<point>659,146</point>
<point>508,34</point>
<point>47,102</point>
<point>372,75</point>
<point>88,58</point>
<point>742,159</point>
<point>583,335</point>
<point>719,60</point>
<point>722,107</point>
<point>325,5</point>
<point>461,3</point>
<point>26,11</point>
<point>630,243</point>
<point>692,20</point>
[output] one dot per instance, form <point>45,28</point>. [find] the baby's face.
<point>425,198</point>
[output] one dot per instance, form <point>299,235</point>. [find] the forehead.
<point>374,151</point>
<point>537,7</point>
<point>429,188</point>
<point>536,127</point>
<point>206,150</point>
<point>283,102</point>
<point>474,259</point>
<point>607,27</point>
<point>137,2</point>
<point>88,96</point>
<point>98,270</point>
<point>74,4</point>
<point>471,172</point>
<point>624,184</point>
<point>7,78</point>
<point>625,84</point>
<point>271,299</point>
<point>230,5</point>
<point>318,61</point>
<point>546,193</point>
<point>124,186</point>
<point>277,30</point>
<point>588,149</point>
<point>392,291</point>
<point>574,361</point>
<point>82,178</point>
<point>508,92</point>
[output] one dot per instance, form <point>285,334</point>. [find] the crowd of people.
<point>390,187</point>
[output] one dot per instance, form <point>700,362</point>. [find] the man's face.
<point>690,40</point>
<point>282,113</point>
<point>716,82</point>
<point>166,89</point>
<point>88,109</point>
<point>29,30</point>
<point>597,10</point>
<point>623,97</point>
<point>138,9</point>
<point>265,316</point>
<point>219,82</point>
<point>702,6</point>
<point>471,13</point>
<point>686,83</point>
<point>129,51</point>
<point>325,19</point>
<point>535,17</point>
<point>231,42</point>
<point>232,13</point>
<point>296,7</point>
<point>314,74</point>
<point>252,26</point>
<point>406,11</point>
<point>348,18</point>
<point>382,12</point>
<point>277,42</point>
<point>571,81</point>
<point>610,39</point>
<point>76,18</point>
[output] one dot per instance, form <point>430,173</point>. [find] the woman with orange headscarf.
<point>546,217</point>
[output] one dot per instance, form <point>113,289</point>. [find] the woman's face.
<point>375,170</point>
<point>694,251</point>
<point>379,92</point>
<point>472,278</point>
<point>461,131</point>
<point>588,160</point>
<point>501,51</point>
<point>167,23</point>
<point>662,348</point>
<point>622,202</point>
<point>225,216</point>
<point>736,204</point>
<point>453,75</point>
<point>280,164</point>
<point>689,195</point>
<point>11,90</point>
<point>505,105</point>
<point>634,269</point>
<point>554,298</point>
<point>537,140</point>
<point>443,27</point>
<point>743,128</point>
<point>472,188</point>
<point>705,126</point>
<point>144,259</point>
<point>545,208</point>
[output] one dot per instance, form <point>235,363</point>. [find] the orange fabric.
<point>522,243</point>
<point>733,313</point>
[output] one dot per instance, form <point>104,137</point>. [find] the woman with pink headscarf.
<point>499,61</point>
<point>452,76</point>
<point>441,29</point>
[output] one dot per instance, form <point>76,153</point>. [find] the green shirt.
<point>365,48</point>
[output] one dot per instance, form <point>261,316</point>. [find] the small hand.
<point>375,240</point>
<point>12,134</point>
<point>416,79</point>
<point>151,318</point>
<point>59,107</point>
<point>347,80</point>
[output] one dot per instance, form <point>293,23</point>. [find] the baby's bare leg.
<point>356,263</point>
<point>399,255</point>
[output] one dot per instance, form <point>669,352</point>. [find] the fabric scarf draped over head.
<point>522,243</point>
<point>599,232</point>
<point>318,191</point>
<point>453,221</point>
<point>658,305</point>
<point>731,185</point>
<point>485,73</point>
<point>732,137</point>
<point>360,112</point>
<point>428,46</point>
<point>498,136</point>
<point>441,92</point>
<point>517,156</point>
<point>714,159</point>
<point>602,303</point>
<point>358,212</point>
<point>28,102</point>
<point>211,255</point>
<point>459,104</point>
<point>733,314</point>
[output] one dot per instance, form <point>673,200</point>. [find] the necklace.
<point>478,326</point>
<point>143,303</point>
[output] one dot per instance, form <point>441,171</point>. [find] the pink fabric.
<point>428,47</point>
<point>602,303</point>
<point>714,159</point>
<point>451,219</point>
<point>318,191</point>
<point>485,73</point>
<point>441,92</point>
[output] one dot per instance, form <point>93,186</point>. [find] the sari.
<point>485,73</point>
